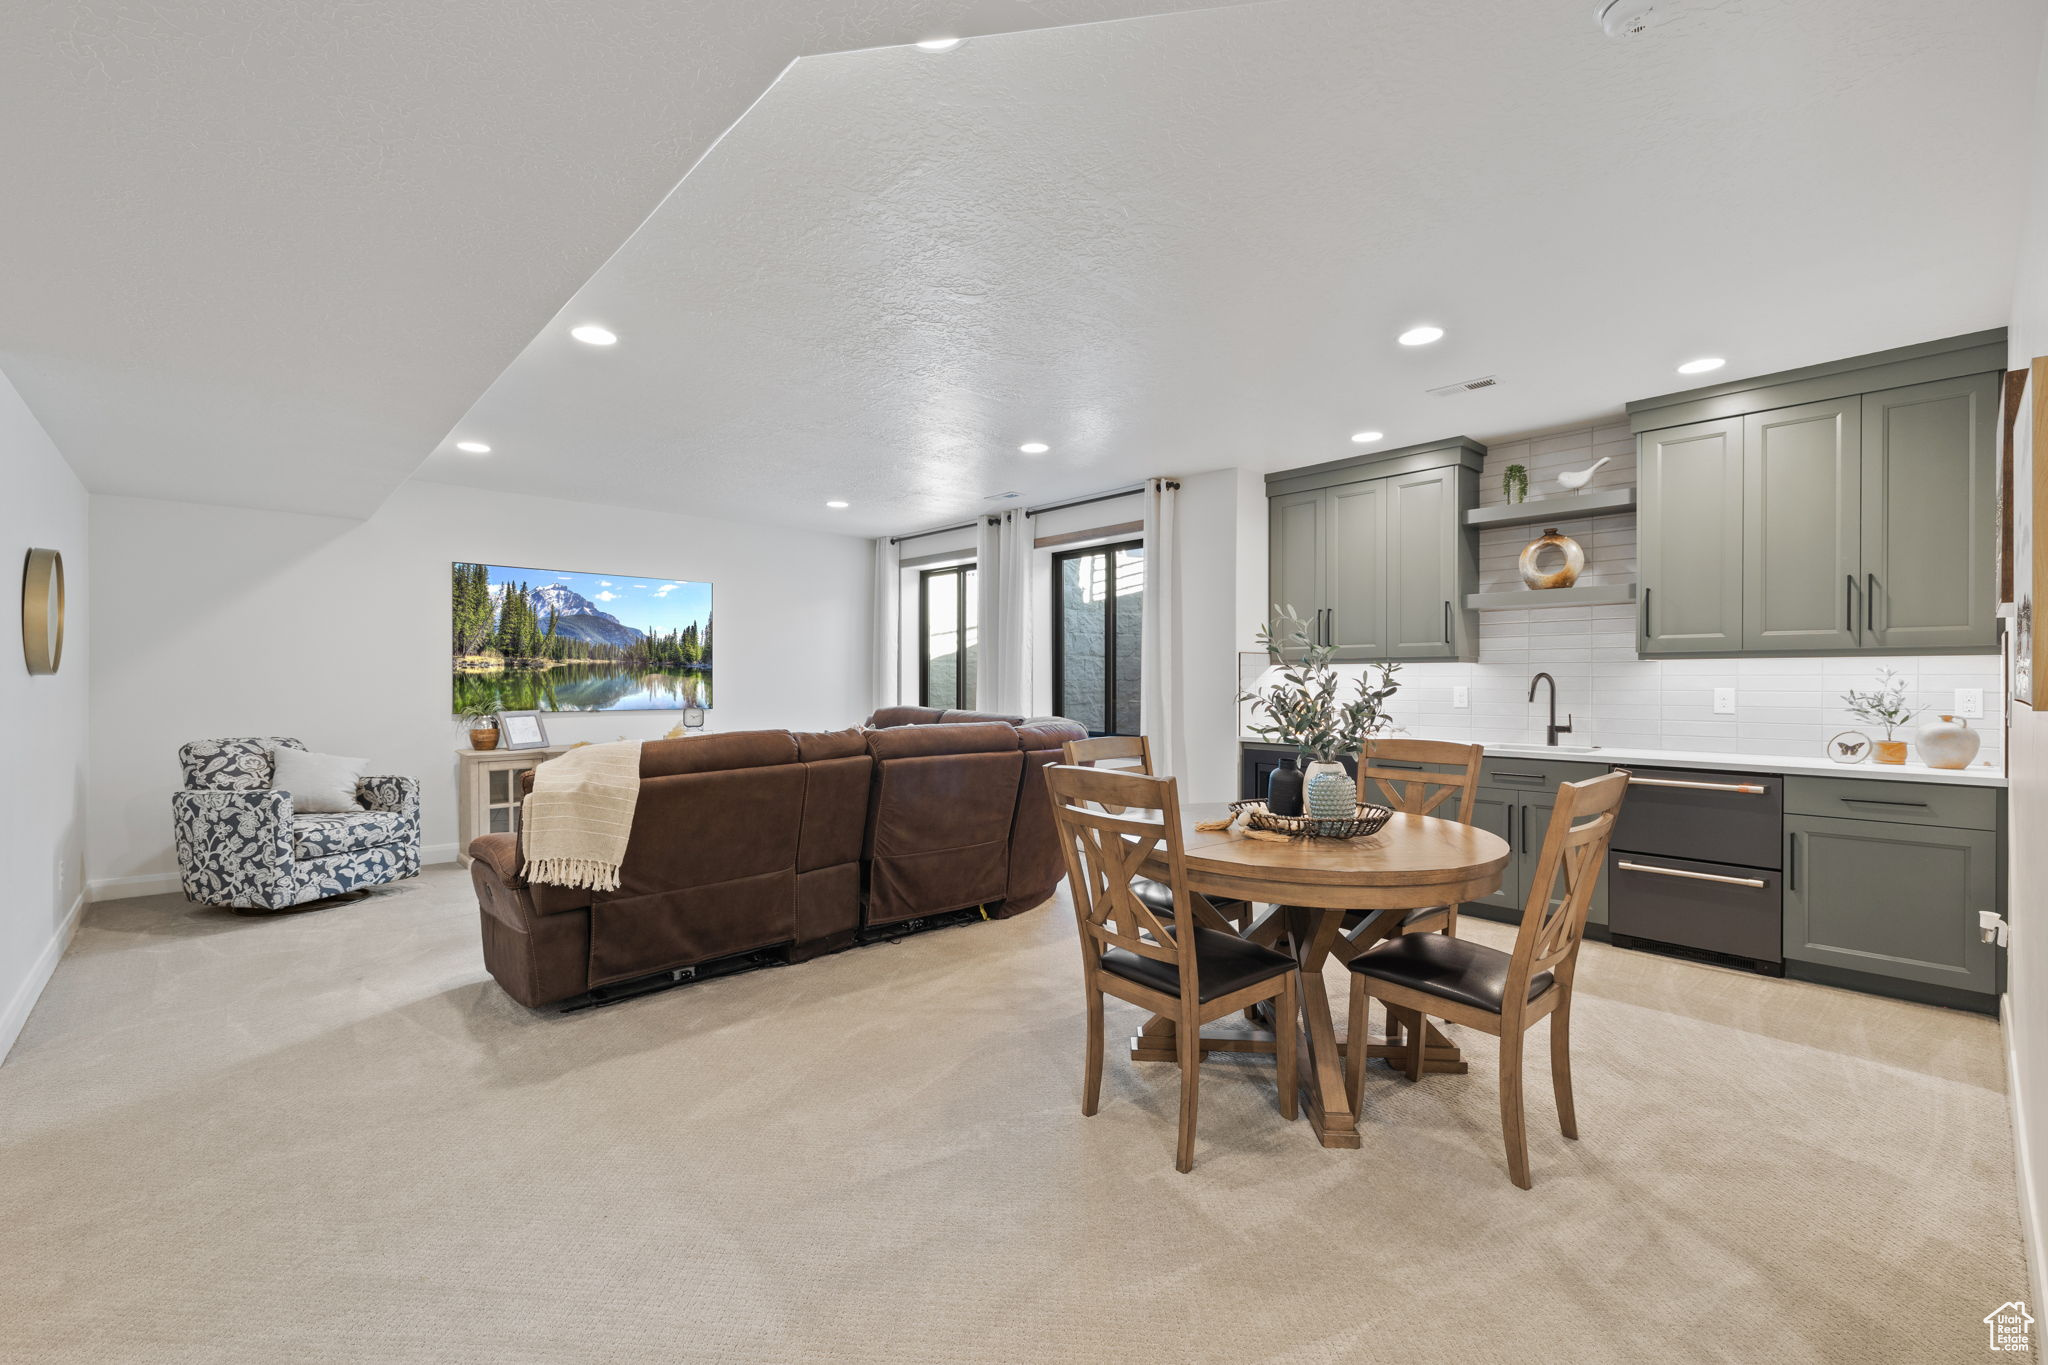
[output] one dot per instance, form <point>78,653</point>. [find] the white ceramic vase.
<point>1947,743</point>
<point>1331,793</point>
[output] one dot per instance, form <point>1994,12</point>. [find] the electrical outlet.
<point>1461,697</point>
<point>1970,703</point>
<point>1724,701</point>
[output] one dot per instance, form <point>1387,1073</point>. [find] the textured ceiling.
<point>1188,242</point>
<point>265,252</point>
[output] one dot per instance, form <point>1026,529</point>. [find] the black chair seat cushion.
<point>1225,962</point>
<point>1454,969</point>
<point>1159,897</point>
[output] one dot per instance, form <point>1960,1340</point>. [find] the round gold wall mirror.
<point>42,611</point>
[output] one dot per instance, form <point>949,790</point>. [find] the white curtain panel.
<point>888,614</point>
<point>1003,564</point>
<point>1159,695</point>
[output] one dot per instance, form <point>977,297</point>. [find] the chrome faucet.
<point>1554,729</point>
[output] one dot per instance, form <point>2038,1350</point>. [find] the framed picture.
<point>522,730</point>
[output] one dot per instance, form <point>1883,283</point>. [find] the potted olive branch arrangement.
<point>1303,709</point>
<point>1884,705</point>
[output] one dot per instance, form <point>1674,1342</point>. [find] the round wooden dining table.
<point>1310,888</point>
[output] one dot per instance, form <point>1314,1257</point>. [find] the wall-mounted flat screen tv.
<point>554,640</point>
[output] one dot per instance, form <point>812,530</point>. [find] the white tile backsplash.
<point>1782,706</point>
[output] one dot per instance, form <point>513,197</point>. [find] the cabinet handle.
<point>1757,882</point>
<point>1791,860</point>
<point>1447,624</point>
<point>1870,607</point>
<point>1873,801</point>
<point>1743,788</point>
<point>1525,828</point>
<point>1646,613</point>
<point>1849,604</point>
<point>1330,628</point>
<point>1516,777</point>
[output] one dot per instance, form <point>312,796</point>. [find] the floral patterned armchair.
<point>240,845</point>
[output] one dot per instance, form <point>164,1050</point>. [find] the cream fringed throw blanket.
<point>579,815</point>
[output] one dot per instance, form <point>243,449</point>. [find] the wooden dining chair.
<point>1133,754</point>
<point>1505,994</point>
<point>1391,773</point>
<point>1190,969</point>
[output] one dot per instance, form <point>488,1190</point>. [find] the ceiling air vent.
<point>1465,386</point>
<point>1000,497</point>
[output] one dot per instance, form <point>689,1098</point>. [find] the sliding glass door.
<point>947,630</point>
<point>1098,597</point>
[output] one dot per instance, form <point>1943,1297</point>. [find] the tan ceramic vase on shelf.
<point>1948,743</point>
<point>1565,574</point>
<point>1888,751</point>
<point>482,740</point>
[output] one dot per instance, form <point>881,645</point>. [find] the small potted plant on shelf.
<point>1297,703</point>
<point>483,729</point>
<point>1884,705</point>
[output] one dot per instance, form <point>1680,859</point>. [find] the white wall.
<point>2026,1006</point>
<point>43,800</point>
<point>224,621</point>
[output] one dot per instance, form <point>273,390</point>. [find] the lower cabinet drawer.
<point>1906,803</point>
<point>1713,907</point>
<point>1893,900</point>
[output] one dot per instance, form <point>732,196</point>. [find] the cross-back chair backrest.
<point>1111,753</point>
<point>1417,791</point>
<point>1109,823</point>
<point>1567,869</point>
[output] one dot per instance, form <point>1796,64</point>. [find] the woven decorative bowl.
<point>1364,820</point>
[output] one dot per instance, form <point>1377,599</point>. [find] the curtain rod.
<point>1099,497</point>
<point>939,531</point>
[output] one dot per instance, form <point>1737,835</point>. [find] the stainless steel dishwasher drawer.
<point>1713,908</point>
<point>1715,817</point>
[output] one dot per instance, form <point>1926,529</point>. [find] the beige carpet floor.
<point>329,1137</point>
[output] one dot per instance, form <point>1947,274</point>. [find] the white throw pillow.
<point>318,783</point>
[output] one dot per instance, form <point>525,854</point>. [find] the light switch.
<point>1970,703</point>
<point>1724,701</point>
<point>1461,697</point>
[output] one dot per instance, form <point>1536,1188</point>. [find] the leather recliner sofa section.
<point>771,840</point>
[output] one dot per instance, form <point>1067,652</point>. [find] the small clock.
<point>42,611</point>
<point>693,717</point>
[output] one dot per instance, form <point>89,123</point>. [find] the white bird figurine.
<point>1575,479</point>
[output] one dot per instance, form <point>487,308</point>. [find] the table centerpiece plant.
<point>1299,703</point>
<point>483,729</point>
<point>1884,705</point>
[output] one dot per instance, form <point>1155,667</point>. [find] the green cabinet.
<point>1889,899</point>
<point>1929,514</point>
<point>1374,552</point>
<point>1689,529</point>
<point>1836,510</point>
<point>1515,801</point>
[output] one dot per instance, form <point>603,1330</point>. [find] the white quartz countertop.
<point>1977,775</point>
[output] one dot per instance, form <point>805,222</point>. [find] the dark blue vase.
<point>1283,788</point>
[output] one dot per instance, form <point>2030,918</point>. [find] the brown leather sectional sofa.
<point>794,843</point>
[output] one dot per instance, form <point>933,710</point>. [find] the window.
<point>1098,614</point>
<point>947,627</point>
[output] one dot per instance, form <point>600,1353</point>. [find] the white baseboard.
<point>24,1001</point>
<point>121,888</point>
<point>2029,1189</point>
<point>438,853</point>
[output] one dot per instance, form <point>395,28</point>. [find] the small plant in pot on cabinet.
<point>1884,705</point>
<point>1297,702</point>
<point>483,729</point>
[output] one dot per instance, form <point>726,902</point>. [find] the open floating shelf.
<point>1521,599</point>
<point>1596,502</point>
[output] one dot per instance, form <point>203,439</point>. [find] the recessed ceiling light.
<point>1366,438</point>
<point>590,334</point>
<point>473,447</point>
<point>1034,447</point>
<point>836,505</point>
<point>1420,336</point>
<point>1702,365</point>
<point>938,44</point>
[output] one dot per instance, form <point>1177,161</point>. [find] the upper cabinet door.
<point>1297,555</point>
<point>1929,494</point>
<point>1800,528</point>
<point>1690,526</point>
<point>1355,579</point>
<point>1423,520</point>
